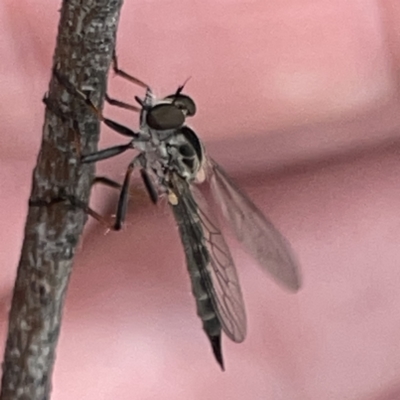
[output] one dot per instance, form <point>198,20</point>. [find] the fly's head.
<point>167,113</point>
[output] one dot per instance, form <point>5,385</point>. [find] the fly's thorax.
<point>186,153</point>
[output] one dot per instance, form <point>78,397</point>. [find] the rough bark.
<point>85,42</point>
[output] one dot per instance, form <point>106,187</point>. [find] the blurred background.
<point>298,100</point>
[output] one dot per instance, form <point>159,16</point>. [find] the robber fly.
<point>173,163</point>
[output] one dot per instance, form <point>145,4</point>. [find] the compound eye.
<point>183,102</point>
<point>165,116</point>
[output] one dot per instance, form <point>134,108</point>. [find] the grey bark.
<point>85,43</point>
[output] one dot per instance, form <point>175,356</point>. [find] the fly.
<point>174,164</point>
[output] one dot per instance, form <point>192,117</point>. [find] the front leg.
<point>126,76</point>
<point>106,153</point>
<point>123,130</point>
<point>121,104</point>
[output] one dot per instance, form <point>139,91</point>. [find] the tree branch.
<point>85,43</point>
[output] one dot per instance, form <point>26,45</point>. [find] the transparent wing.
<point>258,235</point>
<point>200,235</point>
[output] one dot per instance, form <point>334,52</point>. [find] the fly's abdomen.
<point>197,260</point>
<point>206,312</point>
<point>205,308</point>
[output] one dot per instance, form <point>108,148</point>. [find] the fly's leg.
<point>124,194</point>
<point>139,161</point>
<point>131,79</point>
<point>106,153</point>
<point>123,198</point>
<point>111,152</point>
<point>72,201</point>
<point>93,157</point>
<point>122,201</point>
<point>151,190</point>
<point>120,215</point>
<point>121,104</point>
<point>125,75</point>
<point>123,130</point>
<point>113,184</point>
<point>106,182</point>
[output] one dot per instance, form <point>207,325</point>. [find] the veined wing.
<point>258,235</point>
<point>215,283</point>
<point>228,300</point>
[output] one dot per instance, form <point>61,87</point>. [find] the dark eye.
<point>165,116</point>
<point>183,102</point>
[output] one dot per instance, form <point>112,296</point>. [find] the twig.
<point>85,44</point>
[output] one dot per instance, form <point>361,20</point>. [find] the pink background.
<point>298,100</point>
